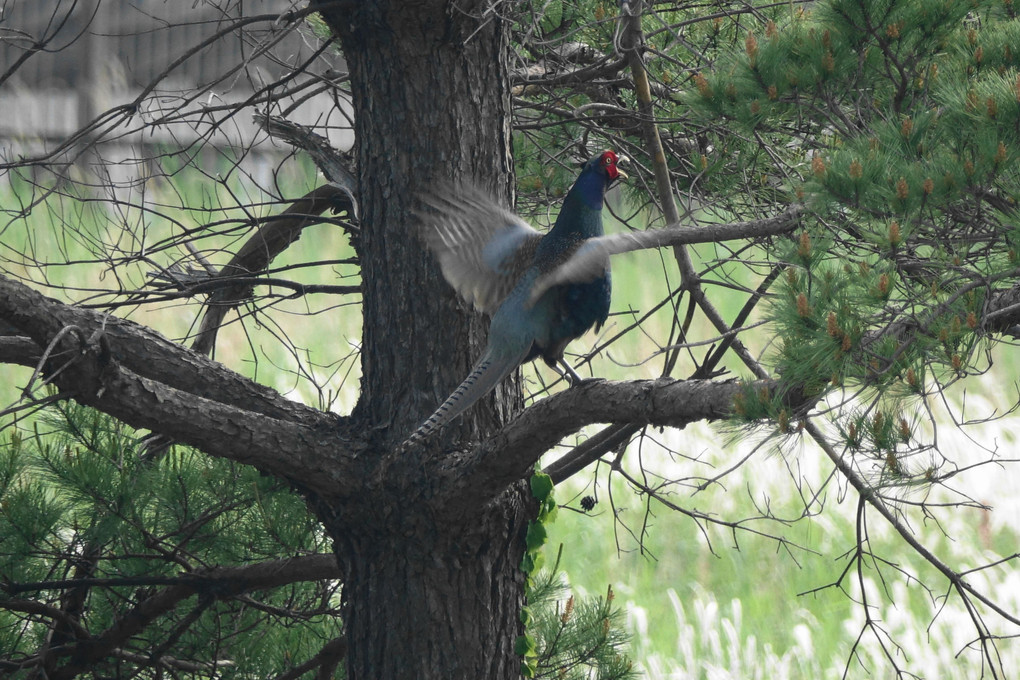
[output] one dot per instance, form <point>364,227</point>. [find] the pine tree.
<point>904,130</point>
<point>837,185</point>
<point>192,565</point>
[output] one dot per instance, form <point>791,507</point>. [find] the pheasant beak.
<point>620,174</point>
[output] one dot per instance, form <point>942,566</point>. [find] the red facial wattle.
<point>611,161</point>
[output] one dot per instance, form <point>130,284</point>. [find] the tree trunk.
<point>431,100</point>
<point>431,590</point>
<point>443,602</point>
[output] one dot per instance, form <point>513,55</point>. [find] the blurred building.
<point>197,71</point>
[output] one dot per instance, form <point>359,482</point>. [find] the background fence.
<point>63,63</point>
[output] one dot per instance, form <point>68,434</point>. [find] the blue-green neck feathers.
<point>581,212</point>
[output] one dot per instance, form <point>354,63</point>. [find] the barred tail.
<point>486,374</point>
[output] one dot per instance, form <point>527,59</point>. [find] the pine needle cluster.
<point>142,537</point>
<point>899,123</point>
<point>578,638</point>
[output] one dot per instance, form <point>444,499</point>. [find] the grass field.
<point>702,601</point>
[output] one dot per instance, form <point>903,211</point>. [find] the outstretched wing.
<point>482,248</point>
<point>591,258</point>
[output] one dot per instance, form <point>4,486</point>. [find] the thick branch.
<point>509,455</point>
<point>256,254</point>
<point>143,352</point>
<point>193,399</point>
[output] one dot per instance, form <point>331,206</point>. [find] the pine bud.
<point>878,423</point>
<point>831,327</point>
<point>911,378</point>
<point>957,362</point>
<point>1000,154</point>
<point>883,285</point>
<point>892,31</point>
<point>972,100</point>
<point>846,344</point>
<point>784,421</point>
<point>704,162</point>
<point>927,186</point>
<point>704,89</point>
<point>968,168</point>
<point>851,433</point>
<point>803,310</point>
<point>894,234</point>
<point>906,127</point>
<point>772,93</point>
<point>751,47</point>
<point>856,169</point>
<point>771,30</point>
<point>893,463</point>
<point>804,245</point>
<point>902,190</point>
<point>979,54</point>
<point>972,320</point>
<point>567,611</point>
<point>904,429</point>
<point>992,107</point>
<point>818,166</point>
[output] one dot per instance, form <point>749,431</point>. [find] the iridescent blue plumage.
<point>494,259</point>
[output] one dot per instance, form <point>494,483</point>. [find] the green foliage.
<point>80,498</point>
<point>565,638</point>
<point>531,563</point>
<point>542,490</point>
<point>897,121</point>
<point>578,638</point>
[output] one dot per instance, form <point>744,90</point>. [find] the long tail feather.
<point>486,374</point>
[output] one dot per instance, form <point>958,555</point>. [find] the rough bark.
<point>427,597</point>
<point>431,99</point>
<point>433,587</point>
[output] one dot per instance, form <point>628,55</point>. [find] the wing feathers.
<point>482,247</point>
<point>591,259</point>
